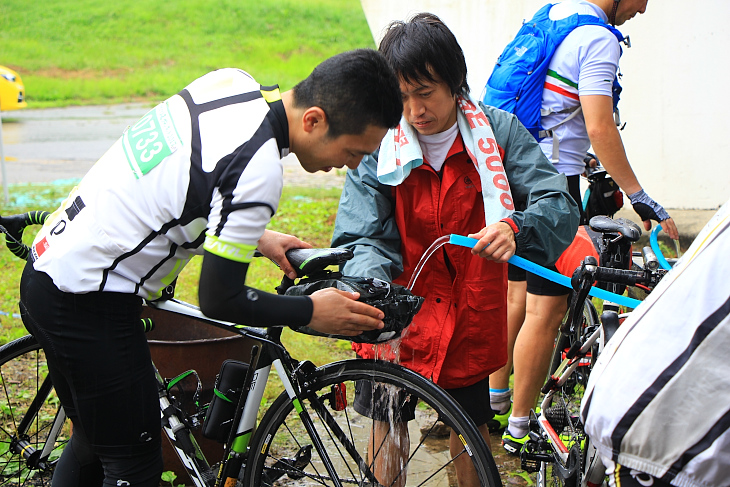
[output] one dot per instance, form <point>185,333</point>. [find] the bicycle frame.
<point>564,372</point>
<point>264,354</point>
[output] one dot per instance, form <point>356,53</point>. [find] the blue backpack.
<point>517,81</point>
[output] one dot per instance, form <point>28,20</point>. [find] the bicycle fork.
<point>292,467</point>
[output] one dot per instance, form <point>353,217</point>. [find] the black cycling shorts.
<point>379,402</point>
<point>100,364</point>
<point>536,285</point>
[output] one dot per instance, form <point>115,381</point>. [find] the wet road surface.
<point>49,144</point>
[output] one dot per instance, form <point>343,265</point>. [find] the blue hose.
<point>655,247</point>
<point>550,274</point>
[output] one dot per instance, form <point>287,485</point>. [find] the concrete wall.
<point>676,97</point>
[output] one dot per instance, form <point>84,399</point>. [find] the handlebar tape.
<point>619,276</point>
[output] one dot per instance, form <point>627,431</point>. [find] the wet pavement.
<point>49,144</point>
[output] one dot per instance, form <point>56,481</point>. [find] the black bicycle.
<point>559,450</point>
<point>310,435</point>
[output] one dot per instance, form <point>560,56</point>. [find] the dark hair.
<point>424,46</point>
<point>355,89</point>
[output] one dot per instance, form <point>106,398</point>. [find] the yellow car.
<point>12,91</point>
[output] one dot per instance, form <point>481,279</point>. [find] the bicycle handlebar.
<point>13,226</point>
<point>620,276</point>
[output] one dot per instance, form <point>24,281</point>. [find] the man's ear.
<point>314,118</point>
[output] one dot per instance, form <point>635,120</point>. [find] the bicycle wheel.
<point>594,472</point>
<point>283,453</point>
<point>30,413</point>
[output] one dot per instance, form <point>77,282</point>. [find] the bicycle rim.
<point>283,454</point>
<point>594,472</point>
<point>23,370</point>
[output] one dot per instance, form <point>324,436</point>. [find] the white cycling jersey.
<point>202,170</point>
<point>585,63</point>
<point>658,399</point>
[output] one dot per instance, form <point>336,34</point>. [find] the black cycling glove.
<point>647,208</point>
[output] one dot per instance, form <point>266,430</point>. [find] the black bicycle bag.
<point>396,302</point>
<point>604,198</point>
<point>229,386</point>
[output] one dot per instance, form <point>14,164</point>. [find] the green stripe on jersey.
<point>565,80</point>
<point>232,251</point>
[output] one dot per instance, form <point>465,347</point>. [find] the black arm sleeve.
<point>224,296</point>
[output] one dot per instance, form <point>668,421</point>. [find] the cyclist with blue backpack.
<point>559,76</point>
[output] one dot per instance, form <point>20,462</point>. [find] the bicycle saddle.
<point>603,224</point>
<point>308,261</point>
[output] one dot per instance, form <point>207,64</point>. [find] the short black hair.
<point>424,46</point>
<point>355,89</point>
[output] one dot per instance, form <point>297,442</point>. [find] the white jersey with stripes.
<point>658,399</point>
<point>202,170</point>
<point>585,63</point>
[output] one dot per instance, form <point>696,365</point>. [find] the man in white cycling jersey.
<point>200,174</point>
<point>580,77</point>
<point>657,405</point>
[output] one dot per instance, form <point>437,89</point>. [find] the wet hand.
<point>338,312</point>
<point>667,225</point>
<point>496,242</point>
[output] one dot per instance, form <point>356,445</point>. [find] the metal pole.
<point>2,163</point>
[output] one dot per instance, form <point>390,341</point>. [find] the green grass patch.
<point>86,51</point>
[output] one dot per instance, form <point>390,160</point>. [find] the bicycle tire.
<point>594,472</point>
<point>23,371</point>
<point>280,433</point>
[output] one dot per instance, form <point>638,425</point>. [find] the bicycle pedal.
<point>529,465</point>
<point>532,455</point>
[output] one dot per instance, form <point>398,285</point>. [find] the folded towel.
<point>400,152</point>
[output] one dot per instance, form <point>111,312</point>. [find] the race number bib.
<point>151,140</point>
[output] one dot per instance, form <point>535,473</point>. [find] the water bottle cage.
<point>190,412</point>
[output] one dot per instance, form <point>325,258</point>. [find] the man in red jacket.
<point>452,166</point>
